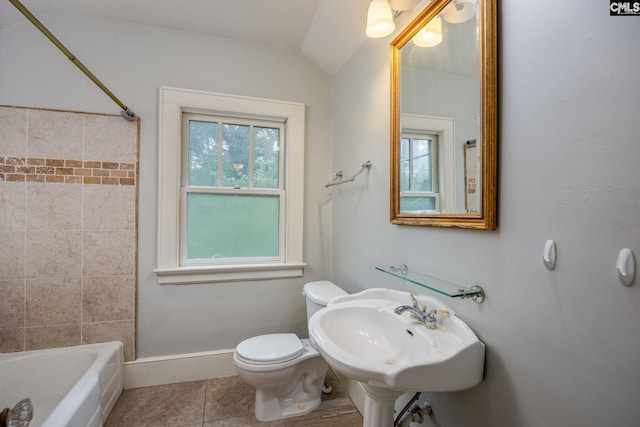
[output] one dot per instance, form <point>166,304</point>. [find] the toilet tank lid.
<point>322,291</point>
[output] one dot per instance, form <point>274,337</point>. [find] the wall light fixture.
<point>459,11</point>
<point>430,35</point>
<point>403,5</point>
<point>379,19</point>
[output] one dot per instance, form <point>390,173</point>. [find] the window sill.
<point>227,273</point>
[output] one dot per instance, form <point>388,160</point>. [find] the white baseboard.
<point>178,368</point>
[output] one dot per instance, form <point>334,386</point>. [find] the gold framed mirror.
<point>444,117</point>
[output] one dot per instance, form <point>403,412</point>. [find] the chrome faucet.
<point>418,314</point>
<point>427,318</point>
<point>19,416</point>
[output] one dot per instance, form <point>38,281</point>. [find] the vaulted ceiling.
<point>326,31</point>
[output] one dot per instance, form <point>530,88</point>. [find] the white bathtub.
<point>69,387</point>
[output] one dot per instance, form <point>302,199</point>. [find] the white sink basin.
<point>361,337</point>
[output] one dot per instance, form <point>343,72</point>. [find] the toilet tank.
<point>318,294</point>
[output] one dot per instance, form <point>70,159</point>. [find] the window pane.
<point>422,165</point>
<point>266,157</point>
<point>405,164</point>
<point>203,153</point>
<point>417,204</point>
<point>232,226</point>
<point>235,155</point>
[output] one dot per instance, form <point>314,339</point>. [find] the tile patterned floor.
<point>221,402</point>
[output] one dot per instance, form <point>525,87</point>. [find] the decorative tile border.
<point>69,171</point>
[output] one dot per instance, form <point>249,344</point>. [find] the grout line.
<point>82,231</point>
<point>24,271</point>
<point>204,406</point>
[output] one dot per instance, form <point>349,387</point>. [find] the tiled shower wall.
<point>68,204</point>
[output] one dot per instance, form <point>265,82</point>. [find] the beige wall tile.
<point>11,340</point>
<point>12,206</point>
<point>53,301</point>
<point>13,132</point>
<point>108,253</point>
<point>108,298</point>
<point>110,139</point>
<point>52,337</point>
<point>12,303</point>
<point>43,298</point>
<point>109,207</point>
<point>12,255</point>
<point>111,331</point>
<point>54,207</point>
<point>55,135</point>
<point>53,254</point>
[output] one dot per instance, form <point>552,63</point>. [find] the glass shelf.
<point>437,285</point>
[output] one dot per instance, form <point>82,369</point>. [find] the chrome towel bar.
<point>337,177</point>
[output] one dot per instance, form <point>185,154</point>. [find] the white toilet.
<point>287,372</point>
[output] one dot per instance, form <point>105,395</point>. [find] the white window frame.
<point>444,127</point>
<point>173,102</point>
<point>433,157</point>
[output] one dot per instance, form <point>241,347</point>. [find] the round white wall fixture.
<point>626,267</point>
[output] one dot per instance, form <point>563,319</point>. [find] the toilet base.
<point>298,395</point>
<point>289,389</point>
<point>269,408</point>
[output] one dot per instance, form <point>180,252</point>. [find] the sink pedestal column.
<point>379,404</point>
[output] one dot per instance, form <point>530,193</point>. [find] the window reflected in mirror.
<point>419,172</point>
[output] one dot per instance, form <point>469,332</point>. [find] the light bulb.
<point>430,35</point>
<point>379,19</point>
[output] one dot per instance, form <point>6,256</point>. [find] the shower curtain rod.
<point>126,113</point>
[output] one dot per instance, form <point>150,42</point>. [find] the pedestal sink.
<point>361,337</point>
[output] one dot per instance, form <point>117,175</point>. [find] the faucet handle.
<point>414,301</point>
<point>430,320</point>
<point>412,297</point>
<point>442,312</point>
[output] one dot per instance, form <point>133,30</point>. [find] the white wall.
<point>562,346</point>
<point>133,60</point>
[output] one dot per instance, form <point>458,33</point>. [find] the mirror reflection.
<point>440,105</point>
<point>443,140</point>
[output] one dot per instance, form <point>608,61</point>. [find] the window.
<point>428,170</point>
<point>230,188</point>
<point>231,193</point>
<point>419,172</point>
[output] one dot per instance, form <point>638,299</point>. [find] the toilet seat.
<point>269,349</point>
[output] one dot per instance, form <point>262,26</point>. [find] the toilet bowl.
<point>287,372</point>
